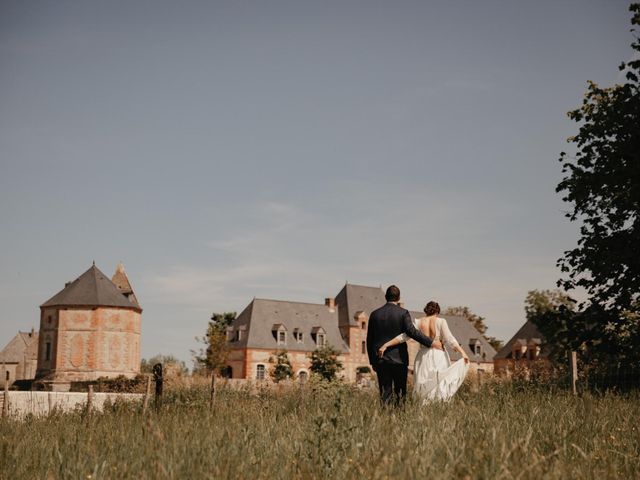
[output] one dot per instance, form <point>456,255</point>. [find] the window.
<point>260,372</point>
<point>47,354</point>
<point>321,340</point>
<point>478,349</point>
<point>364,325</point>
<point>299,337</point>
<point>364,347</point>
<point>239,335</point>
<point>49,318</point>
<point>282,338</point>
<point>302,376</point>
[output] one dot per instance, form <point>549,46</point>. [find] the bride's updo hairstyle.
<point>432,308</point>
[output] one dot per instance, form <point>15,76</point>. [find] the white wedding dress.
<point>434,376</point>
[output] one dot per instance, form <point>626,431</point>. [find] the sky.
<point>227,150</point>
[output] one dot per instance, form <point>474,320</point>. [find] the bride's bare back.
<point>428,326</point>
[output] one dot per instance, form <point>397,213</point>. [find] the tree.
<point>282,370</point>
<point>325,363</point>
<point>146,366</point>
<point>213,357</point>
<point>602,182</point>
<point>539,302</point>
<point>552,312</point>
<point>476,320</point>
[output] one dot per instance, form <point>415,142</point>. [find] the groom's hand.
<point>437,345</point>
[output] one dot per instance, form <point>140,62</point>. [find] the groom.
<point>385,323</point>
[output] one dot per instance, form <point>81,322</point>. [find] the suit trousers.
<point>392,381</point>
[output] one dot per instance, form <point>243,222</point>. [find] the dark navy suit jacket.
<point>388,322</point>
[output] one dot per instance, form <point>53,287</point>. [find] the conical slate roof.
<point>121,280</point>
<point>92,288</point>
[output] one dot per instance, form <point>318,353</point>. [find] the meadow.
<point>334,431</point>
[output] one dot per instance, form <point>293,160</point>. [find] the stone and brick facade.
<point>88,330</point>
<point>267,326</point>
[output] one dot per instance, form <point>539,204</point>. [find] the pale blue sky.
<point>226,150</point>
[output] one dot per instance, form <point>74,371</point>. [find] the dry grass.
<point>333,431</point>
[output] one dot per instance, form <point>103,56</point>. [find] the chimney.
<point>330,303</point>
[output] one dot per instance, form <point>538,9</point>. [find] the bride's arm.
<point>392,343</point>
<point>451,341</point>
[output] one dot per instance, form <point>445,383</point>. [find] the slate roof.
<point>260,315</point>
<point>528,332</point>
<point>355,298</point>
<point>24,343</point>
<point>92,288</point>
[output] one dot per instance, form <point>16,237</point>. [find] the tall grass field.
<point>334,431</point>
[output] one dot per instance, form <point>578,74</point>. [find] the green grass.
<point>335,432</point>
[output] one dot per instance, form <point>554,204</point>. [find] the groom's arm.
<point>371,349</point>
<point>413,332</point>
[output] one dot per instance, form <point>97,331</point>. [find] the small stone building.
<point>19,357</point>
<point>90,329</point>
<point>266,326</point>
<point>526,349</point>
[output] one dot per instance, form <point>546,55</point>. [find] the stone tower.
<point>90,329</point>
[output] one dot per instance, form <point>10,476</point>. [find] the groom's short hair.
<point>393,294</point>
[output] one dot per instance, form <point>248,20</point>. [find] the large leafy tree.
<point>602,182</point>
<point>325,363</point>
<point>282,369</point>
<point>213,356</point>
<point>539,302</point>
<point>552,311</point>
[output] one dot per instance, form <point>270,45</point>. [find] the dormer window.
<point>298,335</point>
<point>533,349</point>
<point>279,333</point>
<point>520,349</point>
<point>475,346</point>
<point>319,335</point>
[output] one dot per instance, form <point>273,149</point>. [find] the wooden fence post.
<point>574,372</point>
<point>89,400</point>
<point>157,373</point>
<point>212,395</point>
<point>5,402</point>
<point>147,394</point>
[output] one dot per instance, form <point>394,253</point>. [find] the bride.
<point>434,376</point>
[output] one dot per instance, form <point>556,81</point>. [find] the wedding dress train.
<point>434,376</point>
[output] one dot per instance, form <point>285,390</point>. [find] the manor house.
<point>266,326</point>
